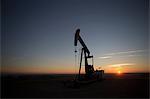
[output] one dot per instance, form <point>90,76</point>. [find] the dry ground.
<point>46,86</point>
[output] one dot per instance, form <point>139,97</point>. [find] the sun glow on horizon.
<point>119,72</point>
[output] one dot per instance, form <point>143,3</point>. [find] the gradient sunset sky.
<point>38,35</point>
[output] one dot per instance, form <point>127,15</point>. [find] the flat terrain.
<point>46,86</point>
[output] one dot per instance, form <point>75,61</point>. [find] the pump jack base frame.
<point>78,83</point>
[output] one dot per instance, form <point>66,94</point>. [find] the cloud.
<point>105,57</point>
<point>122,64</point>
<point>126,52</point>
<point>130,53</point>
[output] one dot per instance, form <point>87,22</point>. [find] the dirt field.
<point>47,86</point>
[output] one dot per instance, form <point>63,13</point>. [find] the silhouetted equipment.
<point>90,74</point>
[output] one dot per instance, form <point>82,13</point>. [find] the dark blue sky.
<point>40,33</point>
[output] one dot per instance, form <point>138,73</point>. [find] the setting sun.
<point>119,72</point>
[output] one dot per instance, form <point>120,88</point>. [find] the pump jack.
<point>90,74</point>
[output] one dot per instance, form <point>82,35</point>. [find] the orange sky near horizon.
<point>70,70</point>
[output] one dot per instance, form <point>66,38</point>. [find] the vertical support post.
<point>86,63</point>
<point>80,63</point>
<point>92,61</point>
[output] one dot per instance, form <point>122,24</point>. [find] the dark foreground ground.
<point>46,86</point>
